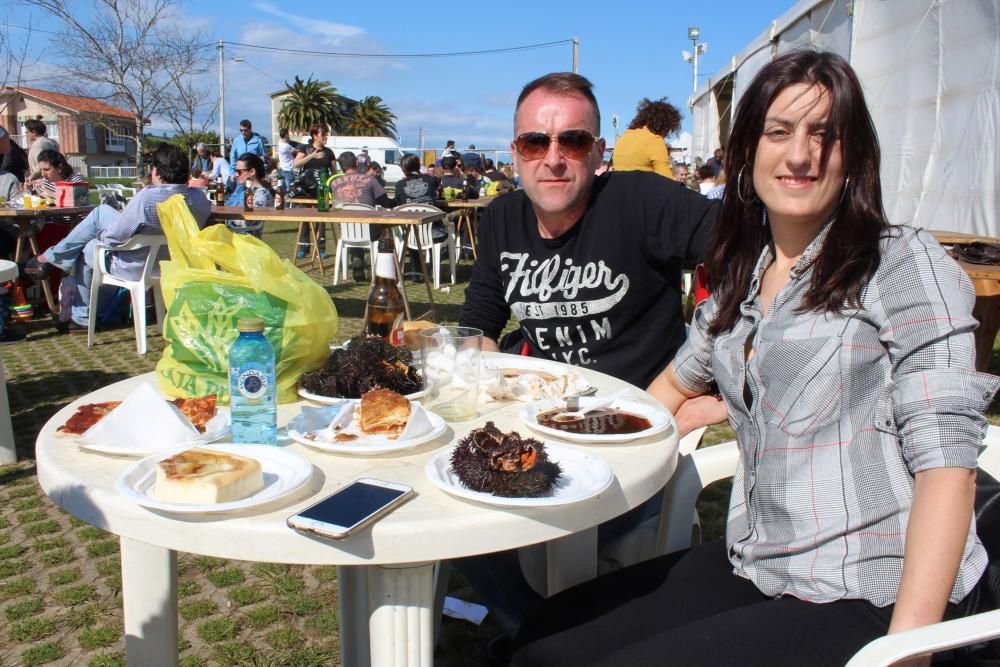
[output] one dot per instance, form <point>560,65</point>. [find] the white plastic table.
<point>385,573</point>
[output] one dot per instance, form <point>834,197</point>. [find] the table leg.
<point>8,453</point>
<point>314,235</point>
<point>427,284</point>
<point>46,287</point>
<point>352,591</point>
<point>402,619</point>
<point>571,560</point>
<point>400,280</point>
<point>149,594</point>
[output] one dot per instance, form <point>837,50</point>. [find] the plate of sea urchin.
<point>505,469</point>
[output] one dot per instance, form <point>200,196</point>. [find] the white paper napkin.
<point>145,419</point>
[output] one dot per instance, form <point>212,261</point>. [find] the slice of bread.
<point>202,476</point>
<point>383,412</point>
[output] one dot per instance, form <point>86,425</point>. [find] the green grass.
<point>33,629</point>
<point>193,609</point>
<point>24,609</point>
<point>107,660</point>
<point>28,504</point>
<point>49,544</point>
<point>304,604</point>
<point>285,637</point>
<point>10,568</point>
<point>235,653</point>
<point>42,528</point>
<point>40,655</point>
<point>188,588</point>
<point>326,623</point>
<point>102,548</point>
<point>325,574</point>
<point>246,595</point>
<point>84,617</point>
<point>55,557</point>
<point>226,578</point>
<point>12,551</point>
<point>89,533</point>
<point>63,577</point>
<point>264,615</point>
<point>17,587</point>
<point>218,629</point>
<point>101,636</point>
<point>32,517</point>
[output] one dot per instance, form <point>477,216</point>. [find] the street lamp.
<point>692,57</point>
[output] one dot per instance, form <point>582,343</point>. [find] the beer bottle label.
<point>385,266</point>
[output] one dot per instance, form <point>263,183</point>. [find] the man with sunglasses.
<point>248,141</point>
<point>589,266</point>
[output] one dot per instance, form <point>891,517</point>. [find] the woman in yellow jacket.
<point>642,147</point>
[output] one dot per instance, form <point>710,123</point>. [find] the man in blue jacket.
<point>248,141</point>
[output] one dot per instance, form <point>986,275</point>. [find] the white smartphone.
<point>351,508</point>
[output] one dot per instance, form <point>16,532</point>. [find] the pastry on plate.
<point>204,477</point>
<point>383,412</point>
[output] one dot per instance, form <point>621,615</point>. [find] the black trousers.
<point>688,608</point>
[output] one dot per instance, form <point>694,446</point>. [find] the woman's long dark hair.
<point>57,161</point>
<point>850,256</point>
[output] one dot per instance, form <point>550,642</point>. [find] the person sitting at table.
<point>202,161</point>
<point>220,168</point>
<point>53,167</point>
<point>198,179</point>
<point>105,225</point>
<point>590,268</point>
<point>417,188</point>
<point>355,187</point>
<point>311,159</point>
<point>250,174</point>
<point>842,347</point>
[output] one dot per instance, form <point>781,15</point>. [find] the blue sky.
<point>629,50</point>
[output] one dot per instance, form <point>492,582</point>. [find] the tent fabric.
<point>931,74</point>
<point>931,71</point>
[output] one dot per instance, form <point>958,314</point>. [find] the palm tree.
<point>371,118</point>
<point>311,102</point>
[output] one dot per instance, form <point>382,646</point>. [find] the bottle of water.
<point>252,385</point>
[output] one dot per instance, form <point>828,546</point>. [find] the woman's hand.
<point>700,411</point>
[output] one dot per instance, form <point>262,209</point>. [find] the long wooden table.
<point>25,218</point>
<point>336,216</point>
<point>986,280</point>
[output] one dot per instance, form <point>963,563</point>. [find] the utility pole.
<point>699,50</point>
<point>222,97</point>
<point>576,55</point>
<point>420,142</point>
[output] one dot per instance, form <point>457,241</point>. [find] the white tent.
<point>931,73</point>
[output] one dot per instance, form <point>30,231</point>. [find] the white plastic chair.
<point>124,190</point>
<point>137,288</point>
<point>701,468</point>
<point>421,239</point>
<point>352,235</point>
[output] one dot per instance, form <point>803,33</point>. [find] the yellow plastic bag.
<point>215,277</point>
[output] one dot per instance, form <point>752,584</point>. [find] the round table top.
<point>432,526</point>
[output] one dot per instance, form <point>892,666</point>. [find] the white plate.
<point>512,365</point>
<point>367,445</point>
<point>216,429</point>
<point>284,473</point>
<point>337,400</point>
<point>584,475</point>
<point>659,418</point>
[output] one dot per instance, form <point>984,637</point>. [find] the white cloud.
<point>333,31</point>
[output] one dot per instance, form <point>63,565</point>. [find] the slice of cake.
<point>202,476</point>
<point>383,412</point>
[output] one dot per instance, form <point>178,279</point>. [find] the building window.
<point>116,138</point>
<point>51,130</point>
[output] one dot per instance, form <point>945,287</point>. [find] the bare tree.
<point>14,57</point>
<point>130,52</point>
<point>192,108</point>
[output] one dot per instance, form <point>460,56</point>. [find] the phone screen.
<point>351,504</point>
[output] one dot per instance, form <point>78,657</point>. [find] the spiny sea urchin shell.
<point>504,464</point>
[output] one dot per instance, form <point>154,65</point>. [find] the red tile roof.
<point>74,102</point>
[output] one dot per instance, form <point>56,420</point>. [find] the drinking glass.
<point>450,357</point>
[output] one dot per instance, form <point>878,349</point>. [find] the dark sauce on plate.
<point>606,421</point>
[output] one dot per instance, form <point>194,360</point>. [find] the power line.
<point>450,54</point>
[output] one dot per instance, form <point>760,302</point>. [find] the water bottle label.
<point>252,384</point>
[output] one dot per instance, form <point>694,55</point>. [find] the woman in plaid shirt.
<point>842,347</point>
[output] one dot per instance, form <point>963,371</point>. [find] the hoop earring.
<point>843,195</point>
<point>739,189</point>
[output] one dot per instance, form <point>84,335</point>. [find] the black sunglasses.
<point>241,171</point>
<point>574,144</point>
